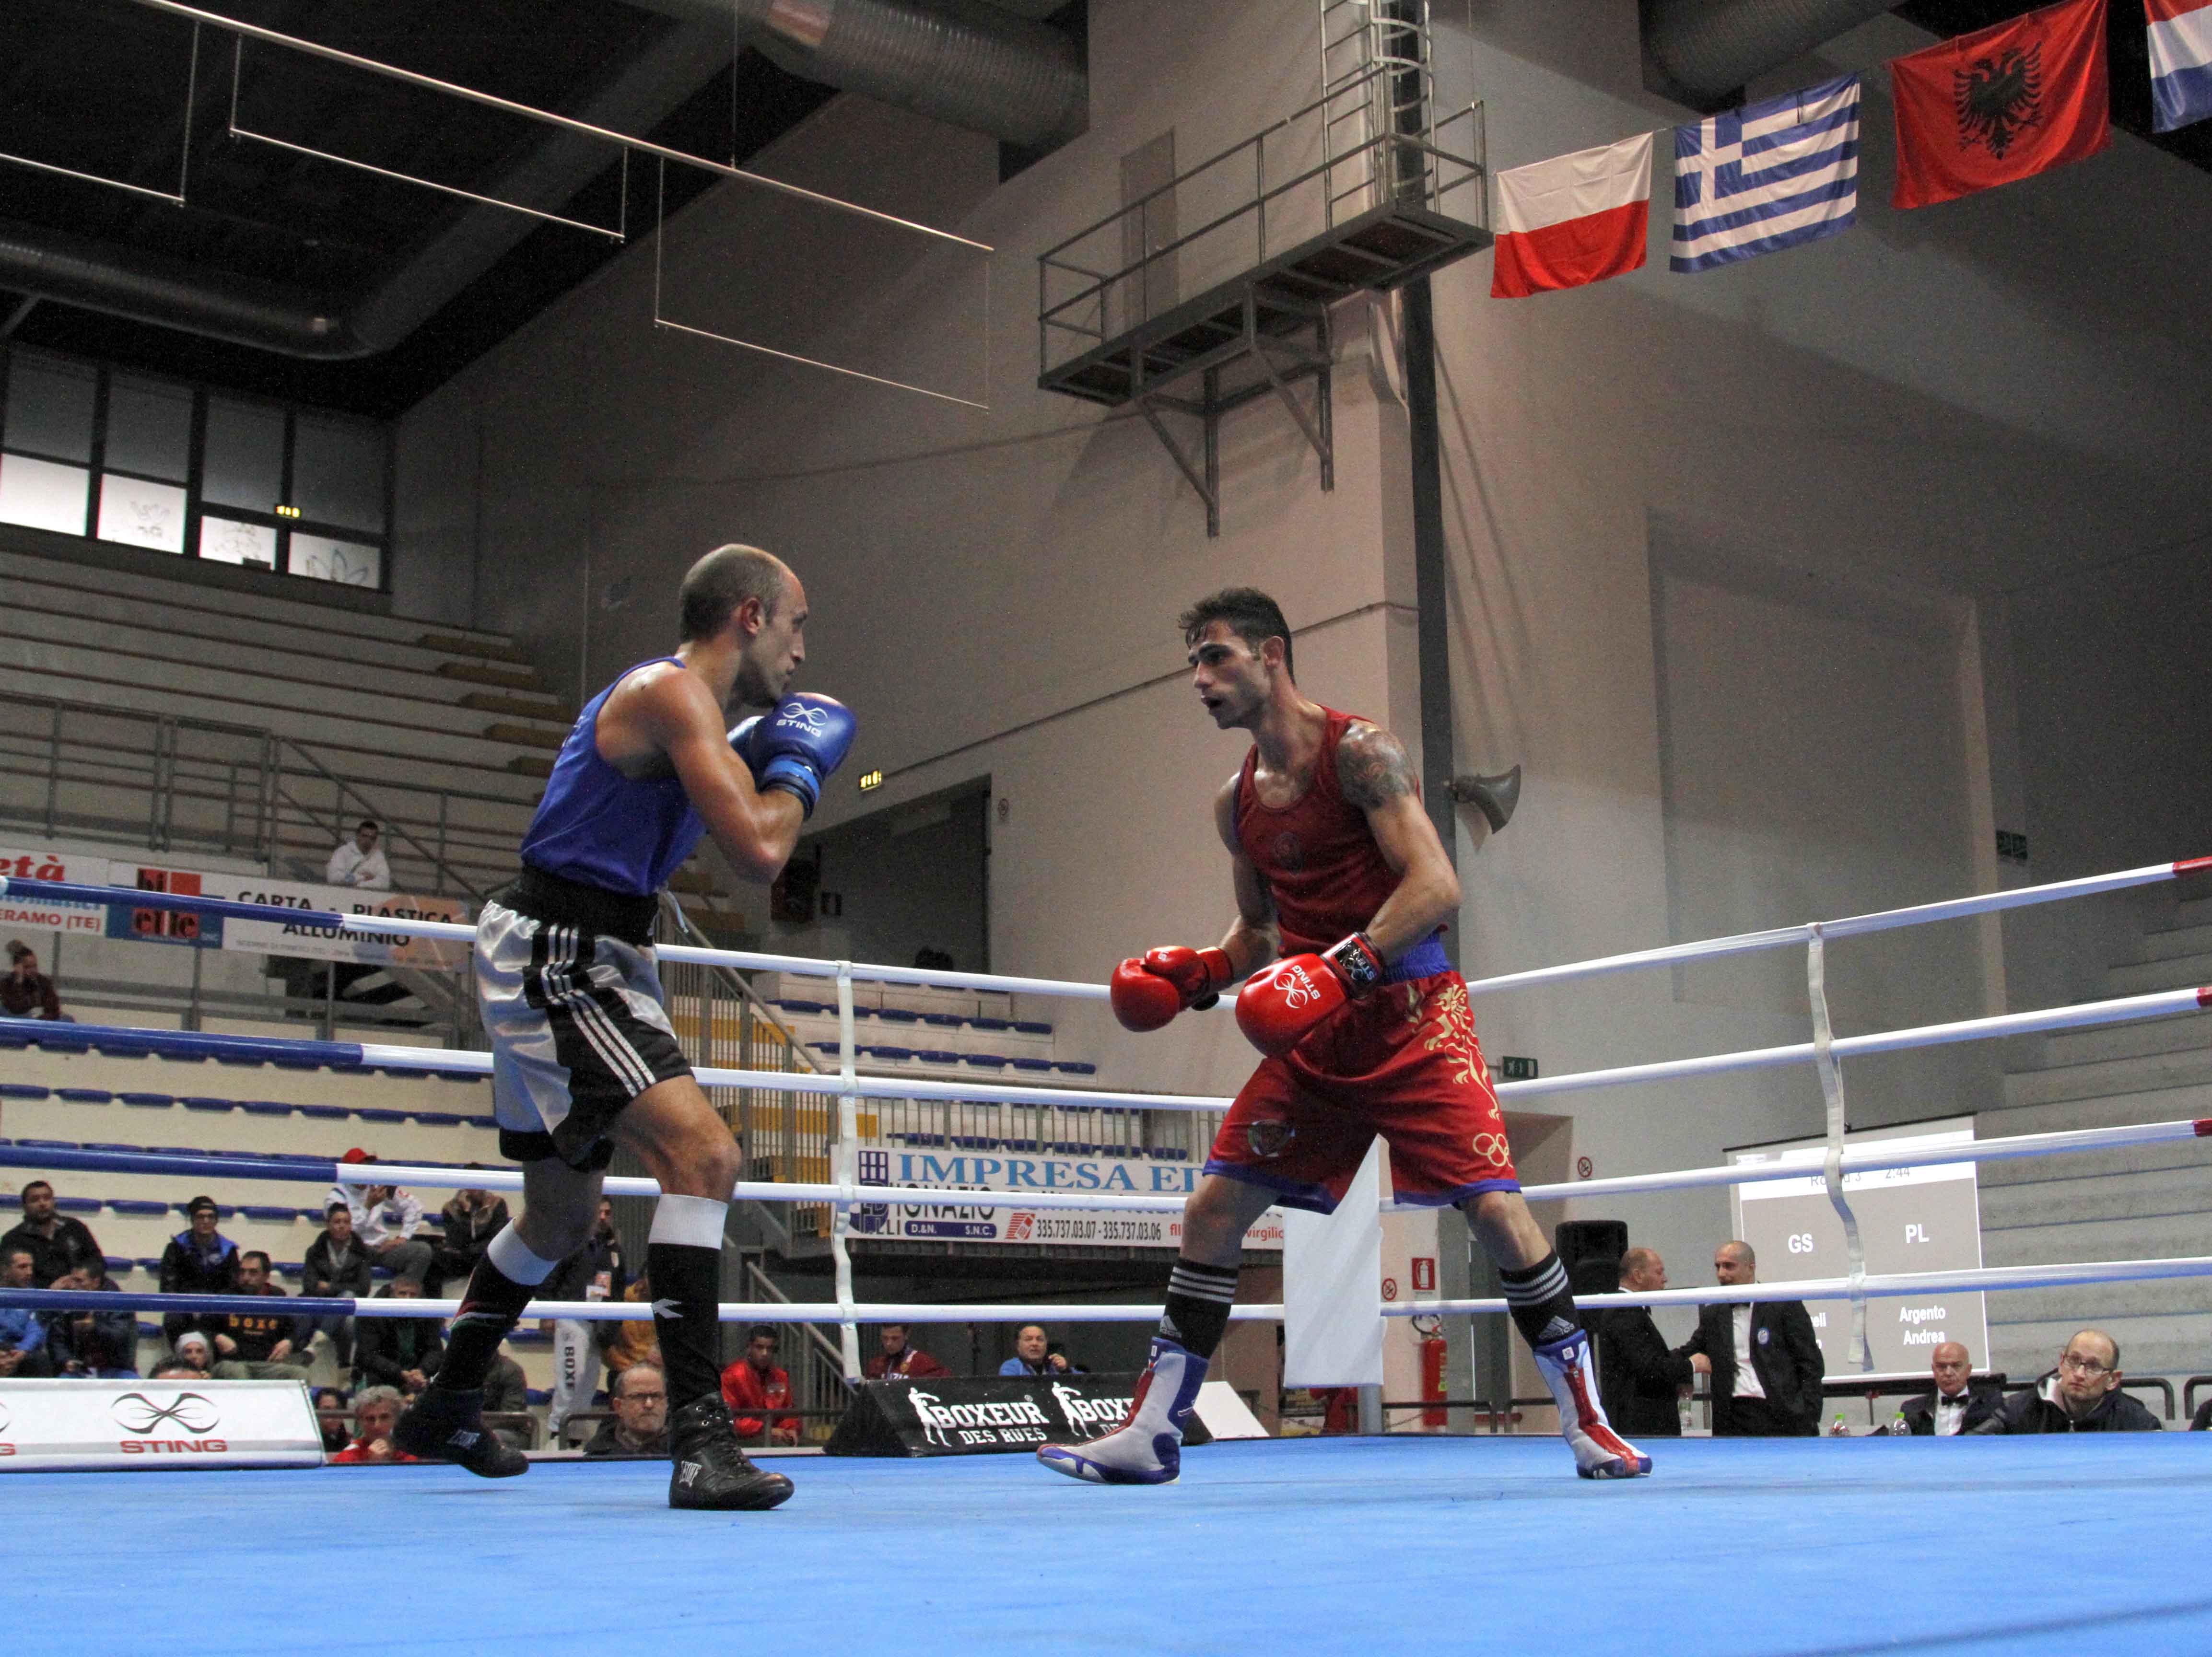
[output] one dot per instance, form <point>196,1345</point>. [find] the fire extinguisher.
<point>1431,1331</point>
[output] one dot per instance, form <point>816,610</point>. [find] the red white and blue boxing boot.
<point>1600,1452</point>
<point>1146,1449</point>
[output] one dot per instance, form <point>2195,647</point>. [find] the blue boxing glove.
<point>804,739</point>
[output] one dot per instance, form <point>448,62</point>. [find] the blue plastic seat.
<point>323,1113</point>
<point>137,1205</point>
<point>116,1262</point>
<point>202,1101</point>
<point>802,1008</point>
<point>237,1061</point>
<point>1030,1064</point>
<point>491,1122</point>
<point>931,1056</point>
<point>103,1145</point>
<point>312,1216</point>
<point>1075,1067</point>
<point>22,1090</point>
<point>149,1101</point>
<point>984,1060</point>
<point>297,1063</point>
<point>897,1054</point>
<point>376,1114</point>
<point>898,1015</point>
<point>264,1211</point>
<point>472,1077</point>
<point>984,1024</point>
<point>290,1268</point>
<point>265,1108</point>
<point>49,1144</point>
<point>149,1332</point>
<point>944,1020</point>
<point>1030,1027</point>
<point>86,1095</point>
<point>77,1205</point>
<point>830,1047</point>
<point>177,1150</point>
<point>439,1118</point>
<point>149,1263</point>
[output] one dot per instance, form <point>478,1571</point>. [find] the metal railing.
<point>1081,306</point>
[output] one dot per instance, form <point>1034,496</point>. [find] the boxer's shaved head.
<point>1252,615</point>
<point>721,583</point>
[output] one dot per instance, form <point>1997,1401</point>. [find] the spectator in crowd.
<point>1957,1405</point>
<point>103,1345</point>
<point>60,1243</point>
<point>593,1272</point>
<point>338,1267</point>
<point>386,1218</point>
<point>639,1427</point>
<point>27,992</point>
<point>1033,1354</point>
<point>507,1391</point>
<point>471,1220</point>
<point>1766,1362</point>
<point>633,1341</point>
<point>257,1345</point>
<point>375,1413</point>
<point>399,1352</point>
<point>898,1360</point>
<point>199,1260</point>
<point>23,1352</point>
<point>1639,1379</point>
<point>358,862</point>
<point>191,1349</point>
<point>757,1384</point>
<point>332,1416</point>
<point>931,958</point>
<point>2081,1396</point>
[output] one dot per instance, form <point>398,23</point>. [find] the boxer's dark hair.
<point>719,583</point>
<point>1252,615</point>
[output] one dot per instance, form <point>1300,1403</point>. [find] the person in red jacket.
<point>897,1360</point>
<point>757,1384</point>
<point>1343,890</point>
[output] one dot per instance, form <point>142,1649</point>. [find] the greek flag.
<point>1769,175</point>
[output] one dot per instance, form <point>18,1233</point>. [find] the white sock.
<point>515,1261</point>
<point>689,1222</point>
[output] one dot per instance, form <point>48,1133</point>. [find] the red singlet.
<point>1317,854</point>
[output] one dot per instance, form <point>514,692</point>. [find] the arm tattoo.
<point>1371,768</point>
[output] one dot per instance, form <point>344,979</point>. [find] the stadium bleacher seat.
<point>936,1056</point>
<point>103,1145</point>
<point>116,1262</point>
<point>86,1095</point>
<point>48,1145</point>
<point>369,1115</point>
<point>1075,1067</point>
<point>1031,1063</point>
<point>203,1102</point>
<point>983,1060</point>
<point>1030,1027</point>
<point>439,1118</point>
<point>984,1024</point>
<point>896,1054</point>
<point>137,1205</point>
<point>149,1263</point>
<point>77,1205</point>
<point>264,1107</point>
<point>263,1211</point>
<point>899,1016</point>
<point>324,1112</point>
<point>148,1100</point>
<point>947,1020</point>
<point>22,1090</point>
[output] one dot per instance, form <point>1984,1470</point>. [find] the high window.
<point>89,450</point>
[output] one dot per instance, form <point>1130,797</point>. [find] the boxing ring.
<point>1426,1543</point>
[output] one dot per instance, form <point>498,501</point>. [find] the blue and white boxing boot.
<point>1600,1452</point>
<point>1146,1449</point>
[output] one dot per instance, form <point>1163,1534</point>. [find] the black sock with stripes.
<point>1197,1311</point>
<point>1543,1306</point>
<point>691,1340</point>
<point>489,1309</point>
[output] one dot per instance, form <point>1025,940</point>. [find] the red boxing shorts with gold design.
<point>1402,1062</point>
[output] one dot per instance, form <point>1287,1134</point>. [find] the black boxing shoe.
<point>711,1471</point>
<point>446,1424</point>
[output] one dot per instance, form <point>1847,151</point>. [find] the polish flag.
<point>1572,220</point>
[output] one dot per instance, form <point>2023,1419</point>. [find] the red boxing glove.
<point>1278,1008</point>
<point>1147,992</point>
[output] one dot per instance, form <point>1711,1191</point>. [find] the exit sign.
<point>870,779</point>
<point>1517,1069</point>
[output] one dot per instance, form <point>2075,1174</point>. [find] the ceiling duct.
<point>1702,52</point>
<point>118,283</point>
<point>962,61</point>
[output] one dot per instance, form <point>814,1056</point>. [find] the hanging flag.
<point>2180,61</point>
<point>1768,176</point>
<point>2001,104</point>
<point>1572,220</point>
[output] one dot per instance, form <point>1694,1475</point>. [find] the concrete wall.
<point>1788,584</point>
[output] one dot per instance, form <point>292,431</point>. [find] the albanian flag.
<point>2001,104</point>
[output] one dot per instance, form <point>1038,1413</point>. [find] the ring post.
<point>1832,1166</point>
<point>841,1214</point>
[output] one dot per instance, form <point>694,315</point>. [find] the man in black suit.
<point>1767,1362</point>
<point>1638,1378</point>
<point>1957,1405</point>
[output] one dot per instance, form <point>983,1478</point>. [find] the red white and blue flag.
<point>2180,61</point>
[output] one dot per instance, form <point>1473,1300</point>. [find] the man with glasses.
<point>2081,1396</point>
<point>639,1427</point>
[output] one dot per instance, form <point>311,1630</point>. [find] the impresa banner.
<point>47,1425</point>
<point>984,1203</point>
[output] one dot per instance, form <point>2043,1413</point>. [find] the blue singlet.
<point>604,830</point>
